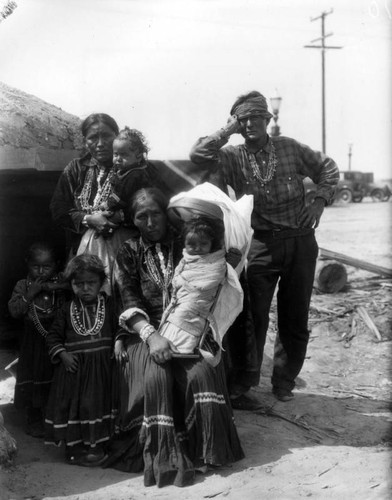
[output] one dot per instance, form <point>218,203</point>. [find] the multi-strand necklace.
<point>163,275</point>
<point>33,308</point>
<point>79,317</point>
<point>103,192</point>
<point>259,175</point>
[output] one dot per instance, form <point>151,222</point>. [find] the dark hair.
<point>41,246</point>
<point>96,118</point>
<point>135,138</point>
<point>155,194</point>
<point>85,263</point>
<point>244,97</point>
<point>213,229</point>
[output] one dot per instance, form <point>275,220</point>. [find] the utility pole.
<point>350,153</point>
<point>323,48</point>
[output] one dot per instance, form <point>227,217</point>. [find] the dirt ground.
<point>332,441</point>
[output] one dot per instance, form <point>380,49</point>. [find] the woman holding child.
<point>91,198</point>
<point>174,413</point>
<point>86,183</point>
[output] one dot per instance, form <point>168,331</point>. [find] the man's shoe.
<point>246,402</point>
<point>282,394</point>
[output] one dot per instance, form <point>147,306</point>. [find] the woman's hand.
<point>70,361</point>
<point>161,349</point>
<point>120,353</point>
<point>99,221</point>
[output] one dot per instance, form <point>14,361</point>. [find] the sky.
<point>173,68</point>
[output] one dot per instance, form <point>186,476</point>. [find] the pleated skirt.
<point>171,418</point>
<point>80,404</point>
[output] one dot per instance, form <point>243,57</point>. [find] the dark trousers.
<point>289,261</point>
<point>240,350</point>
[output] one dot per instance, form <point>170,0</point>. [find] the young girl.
<point>80,344</point>
<point>36,299</point>
<point>196,283</point>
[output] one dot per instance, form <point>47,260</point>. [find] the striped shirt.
<point>278,202</point>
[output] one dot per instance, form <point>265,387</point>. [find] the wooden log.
<point>361,264</point>
<point>330,276</point>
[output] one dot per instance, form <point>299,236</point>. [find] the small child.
<point>132,172</point>
<point>36,299</point>
<point>80,344</point>
<point>195,284</point>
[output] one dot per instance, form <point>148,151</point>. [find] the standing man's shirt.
<point>273,175</point>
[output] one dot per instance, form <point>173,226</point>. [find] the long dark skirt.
<point>79,406</point>
<point>34,370</point>
<point>172,418</point>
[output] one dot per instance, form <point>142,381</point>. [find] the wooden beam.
<point>361,264</point>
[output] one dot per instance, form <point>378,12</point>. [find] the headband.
<point>253,106</point>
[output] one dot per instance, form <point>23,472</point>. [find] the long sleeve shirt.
<point>136,290</point>
<point>279,201</point>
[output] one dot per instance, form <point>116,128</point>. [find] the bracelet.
<point>146,331</point>
<point>84,221</point>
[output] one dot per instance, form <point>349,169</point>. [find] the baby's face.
<point>197,244</point>
<point>124,156</point>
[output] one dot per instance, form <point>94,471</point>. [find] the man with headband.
<point>283,247</point>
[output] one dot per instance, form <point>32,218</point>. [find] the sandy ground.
<point>332,441</point>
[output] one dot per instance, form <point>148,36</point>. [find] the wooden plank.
<point>361,264</point>
<point>368,321</point>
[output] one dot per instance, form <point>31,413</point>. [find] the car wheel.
<point>377,195</point>
<point>357,199</point>
<point>386,198</point>
<point>345,196</point>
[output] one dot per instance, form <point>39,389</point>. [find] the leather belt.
<point>282,233</point>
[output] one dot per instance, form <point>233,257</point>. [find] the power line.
<point>323,48</point>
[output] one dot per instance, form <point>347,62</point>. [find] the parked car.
<point>353,186</point>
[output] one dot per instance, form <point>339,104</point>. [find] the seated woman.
<point>174,414</point>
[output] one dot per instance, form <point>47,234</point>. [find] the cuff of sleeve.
<point>326,196</point>
<point>128,314</point>
<point>322,198</point>
<point>53,353</point>
<point>222,135</point>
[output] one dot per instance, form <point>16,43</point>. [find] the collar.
<point>266,147</point>
<point>123,175</point>
<point>88,161</point>
<point>165,242</point>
